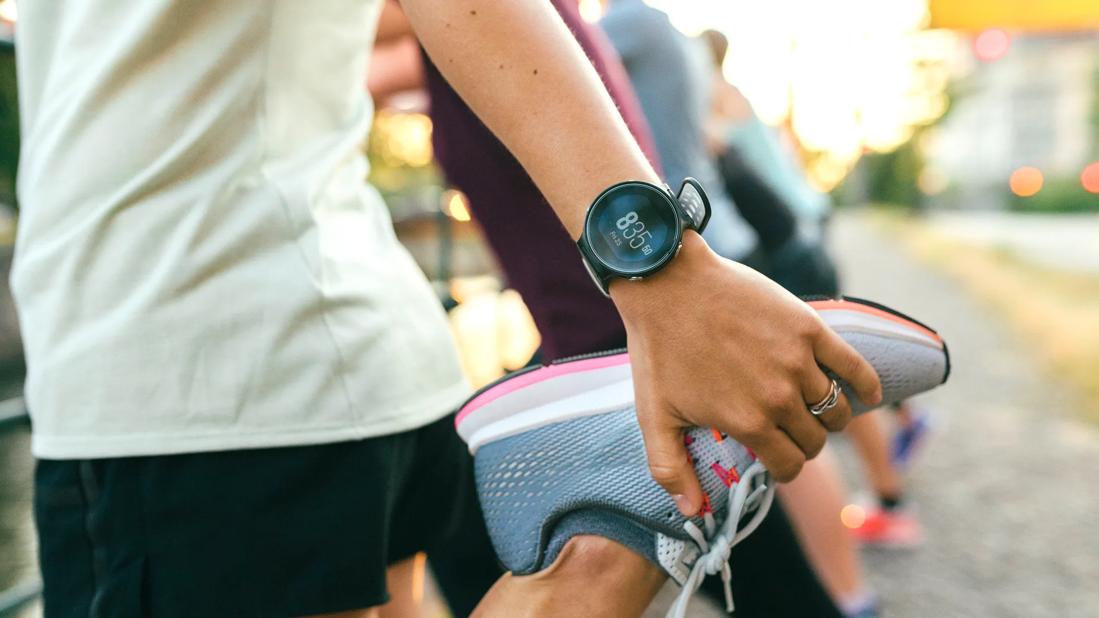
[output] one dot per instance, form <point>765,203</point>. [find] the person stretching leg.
<point>294,433</point>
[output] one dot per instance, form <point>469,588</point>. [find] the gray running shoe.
<point>558,453</point>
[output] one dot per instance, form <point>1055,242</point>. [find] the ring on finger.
<point>830,400</point>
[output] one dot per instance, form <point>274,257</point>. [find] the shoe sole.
<point>598,383</point>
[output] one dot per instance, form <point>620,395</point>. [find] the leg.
<point>771,576</point>
<point>405,581</point>
<point>887,523</point>
<point>868,436</point>
<point>371,612</point>
<point>814,501</point>
<point>464,565</point>
<point>591,577</point>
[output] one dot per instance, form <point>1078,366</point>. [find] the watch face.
<point>632,228</point>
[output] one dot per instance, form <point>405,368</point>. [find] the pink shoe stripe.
<point>846,305</point>
<point>538,375</point>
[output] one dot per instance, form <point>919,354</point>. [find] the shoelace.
<point>716,548</point>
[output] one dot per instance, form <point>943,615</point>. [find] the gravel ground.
<point>1007,485</point>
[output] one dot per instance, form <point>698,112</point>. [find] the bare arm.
<point>518,67</point>
<point>712,343</point>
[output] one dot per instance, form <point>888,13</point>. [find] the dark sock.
<point>890,502</point>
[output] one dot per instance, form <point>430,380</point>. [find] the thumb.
<point>670,463</point>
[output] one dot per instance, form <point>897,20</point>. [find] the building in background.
<point>1022,122</point>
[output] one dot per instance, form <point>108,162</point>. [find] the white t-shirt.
<point>200,264</point>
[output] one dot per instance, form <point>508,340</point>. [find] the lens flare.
<point>1026,181</point>
<point>992,44</point>
<point>1090,178</point>
<point>853,515</point>
<point>456,205</point>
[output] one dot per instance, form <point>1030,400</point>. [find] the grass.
<point>1055,311</point>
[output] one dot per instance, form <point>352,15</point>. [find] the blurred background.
<point>959,144</point>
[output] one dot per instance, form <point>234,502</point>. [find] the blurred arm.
<point>392,24</point>
<point>531,84</point>
<point>395,67</point>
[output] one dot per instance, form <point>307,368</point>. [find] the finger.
<point>778,452</point>
<point>670,463</point>
<point>820,387</point>
<point>803,428</point>
<point>836,354</point>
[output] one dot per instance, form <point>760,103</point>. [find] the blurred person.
<point>572,316</point>
<point>889,520</point>
<point>801,264</point>
<point>299,432</point>
<point>733,128</point>
<point>668,73</point>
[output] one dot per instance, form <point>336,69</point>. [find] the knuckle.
<point>753,429</point>
<point>778,396</point>
<point>789,469</point>
<point>812,326</point>
<point>795,363</point>
<point>663,473</point>
<point>816,444</point>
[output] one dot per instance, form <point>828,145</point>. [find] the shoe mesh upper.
<point>528,483</point>
<point>905,368</point>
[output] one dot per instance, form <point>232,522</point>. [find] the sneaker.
<point>911,435</point>
<point>558,452</point>
<point>910,357</point>
<point>891,529</point>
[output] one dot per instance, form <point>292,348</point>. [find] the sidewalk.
<point>1065,241</point>
<point>1007,487</point>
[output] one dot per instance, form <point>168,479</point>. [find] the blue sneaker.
<point>911,435</point>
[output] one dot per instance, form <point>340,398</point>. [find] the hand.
<point>716,344</point>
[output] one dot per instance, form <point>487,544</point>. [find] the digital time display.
<point>632,228</point>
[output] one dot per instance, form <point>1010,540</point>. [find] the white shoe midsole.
<point>608,389</point>
<point>611,397</point>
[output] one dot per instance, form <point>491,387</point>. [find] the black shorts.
<point>266,532</point>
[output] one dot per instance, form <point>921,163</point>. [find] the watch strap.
<point>696,206</point>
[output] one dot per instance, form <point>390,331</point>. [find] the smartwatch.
<point>634,228</point>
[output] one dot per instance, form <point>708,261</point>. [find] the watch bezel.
<point>661,261</point>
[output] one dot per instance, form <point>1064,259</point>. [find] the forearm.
<point>518,67</point>
<point>395,67</point>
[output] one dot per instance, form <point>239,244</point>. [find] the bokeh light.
<point>402,138</point>
<point>8,11</point>
<point>853,516</point>
<point>846,77</point>
<point>456,205</point>
<point>1026,181</point>
<point>992,44</point>
<point>932,181</point>
<point>590,10</point>
<point>1090,178</point>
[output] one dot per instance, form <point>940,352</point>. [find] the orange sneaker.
<point>895,529</point>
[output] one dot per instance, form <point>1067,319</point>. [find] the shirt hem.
<point>176,443</point>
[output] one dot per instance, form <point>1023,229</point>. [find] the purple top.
<point>537,255</point>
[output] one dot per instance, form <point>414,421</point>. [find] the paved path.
<point>1008,487</point>
<point>1063,241</point>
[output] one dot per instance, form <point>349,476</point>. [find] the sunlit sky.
<point>860,73</point>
